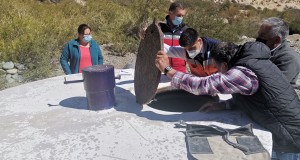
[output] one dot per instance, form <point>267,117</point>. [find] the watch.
<point>167,69</point>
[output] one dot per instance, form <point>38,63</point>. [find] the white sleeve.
<point>174,51</point>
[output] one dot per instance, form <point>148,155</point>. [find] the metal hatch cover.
<point>147,75</point>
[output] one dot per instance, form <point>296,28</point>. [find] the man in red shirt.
<point>172,28</point>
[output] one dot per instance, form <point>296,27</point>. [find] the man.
<point>172,28</point>
<point>196,52</point>
<point>257,86</point>
<point>273,33</point>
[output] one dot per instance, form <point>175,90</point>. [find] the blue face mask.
<point>87,38</point>
<point>177,20</point>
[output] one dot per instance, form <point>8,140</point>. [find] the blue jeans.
<point>285,156</point>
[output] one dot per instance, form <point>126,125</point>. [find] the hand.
<point>161,61</point>
<point>212,106</point>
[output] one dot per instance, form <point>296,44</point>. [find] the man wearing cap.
<point>195,51</point>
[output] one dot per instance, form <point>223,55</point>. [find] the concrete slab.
<point>48,120</point>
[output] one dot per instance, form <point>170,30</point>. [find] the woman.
<point>81,52</point>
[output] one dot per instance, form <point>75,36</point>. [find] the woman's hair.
<point>225,52</point>
<point>188,37</point>
<point>83,27</point>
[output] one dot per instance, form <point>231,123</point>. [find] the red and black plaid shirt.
<point>238,79</point>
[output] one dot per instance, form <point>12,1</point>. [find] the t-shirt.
<point>85,58</point>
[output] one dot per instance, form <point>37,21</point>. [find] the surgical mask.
<point>87,38</point>
<point>193,53</point>
<point>177,20</point>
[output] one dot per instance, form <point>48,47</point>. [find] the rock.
<point>20,72</point>
<point>293,38</point>
<point>8,65</point>
<point>81,2</point>
<point>12,71</point>
<point>20,79</point>
<point>19,66</point>
<point>2,72</point>
<point>8,76</point>
<point>15,76</point>
<point>10,80</point>
<point>244,37</point>
<point>129,66</point>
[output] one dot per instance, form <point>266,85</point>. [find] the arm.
<point>64,58</point>
<point>289,64</point>
<point>236,80</point>
<point>174,51</point>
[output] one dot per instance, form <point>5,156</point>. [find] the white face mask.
<point>193,53</point>
<point>177,20</point>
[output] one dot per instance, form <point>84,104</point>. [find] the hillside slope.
<point>279,5</point>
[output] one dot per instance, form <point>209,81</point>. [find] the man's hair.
<point>225,52</point>
<point>83,27</point>
<point>188,37</point>
<point>279,27</point>
<point>175,5</point>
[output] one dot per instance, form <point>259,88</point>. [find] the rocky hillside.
<point>279,5</point>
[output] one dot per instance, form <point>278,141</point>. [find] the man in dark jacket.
<point>273,33</point>
<point>257,86</point>
<point>172,27</point>
<point>195,51</point>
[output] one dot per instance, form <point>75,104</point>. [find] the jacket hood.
<point>254,50</point>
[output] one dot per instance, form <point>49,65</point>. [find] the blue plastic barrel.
<point>99,84</point>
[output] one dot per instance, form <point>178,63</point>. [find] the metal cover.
<point>147,75</point>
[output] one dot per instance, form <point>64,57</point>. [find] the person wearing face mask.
<point>172,27</point>
<point>257,86</point>
<point>273,32</point>
<point>81,52</point>
<point>195,51</point>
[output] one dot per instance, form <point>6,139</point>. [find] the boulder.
<point>12,71</point>
<point>8,65</point>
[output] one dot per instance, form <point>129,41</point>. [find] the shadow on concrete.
<point>126,102</point>
<point>180,101</point>
<point>74,102</point>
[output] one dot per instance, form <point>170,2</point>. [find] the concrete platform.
<point>49,120</point>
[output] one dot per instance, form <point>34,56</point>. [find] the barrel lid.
<point>98,68</point>
<point>147,75</point>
